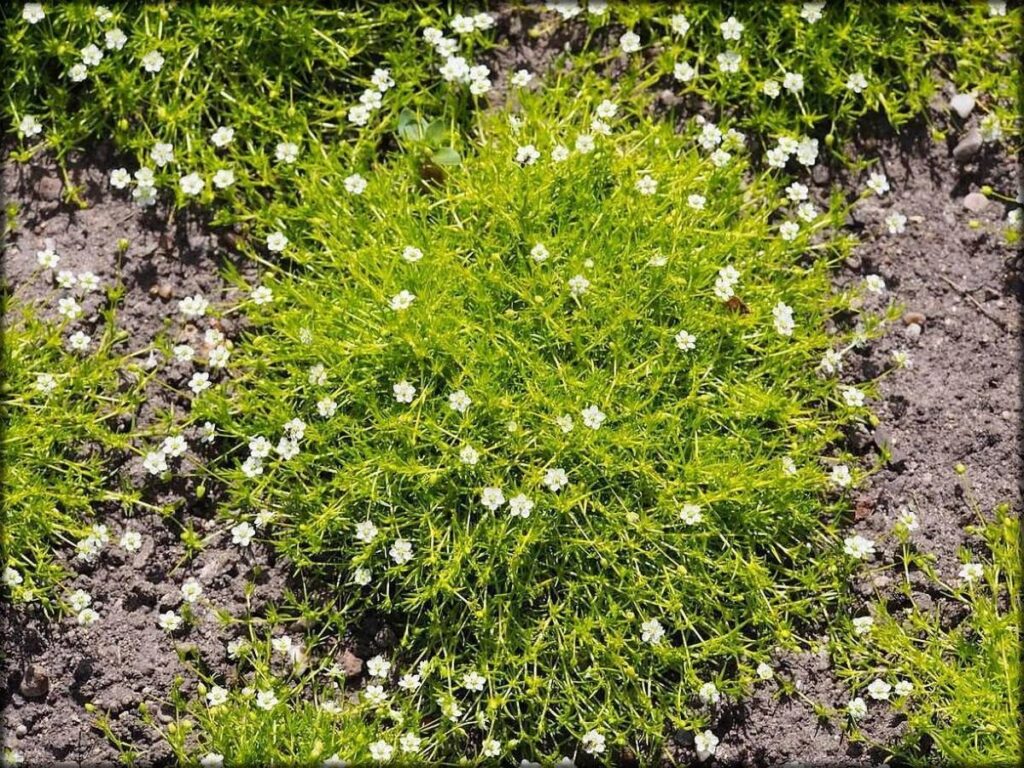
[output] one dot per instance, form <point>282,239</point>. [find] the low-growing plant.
<point>953,668</point>
<point>558,417</point>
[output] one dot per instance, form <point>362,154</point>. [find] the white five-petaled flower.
<point>242,534</point>
<point>473,681</point>
<point>191,184</point>
<point>879,690</point>
<point>593,742</point>
<point>970,572</point>
<point>685,340</point>
<point>705,744</point>
<point>708,693</point>
<point>459,401</point>
<point>629,42</point>
<point>858,547</point>
<point>355,184</point>
<point>691,514</point>
<point>878,183</point>
<point>266,699</point>
<point>840,476</point>
<point>578,285</point>
<point>646,185</point>
<point>652,632</point>
<point>857,82</point>
<point>401,551</point>
<point>520,505</point>
<point>555,479</point>
<point>33,13</point>
<point>153,62</point>
<point>404,391</point>
<point>593,417</point>
<point>286,152</point>
<point>895,223</point>
<point>731,29</point>
<point>492,498</point>
<point>402,301</point>
<point>527,155</point>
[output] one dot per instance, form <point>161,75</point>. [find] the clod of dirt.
<point>350,664</point>
<point>35,683</point>
<point>913,318</point>
<point>975,202</point>
<point>968,147</point>
<point>962,104</point>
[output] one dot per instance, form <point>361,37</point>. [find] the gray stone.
<point>968,146</point>
<point>975,202</point>
<point>962,104</point>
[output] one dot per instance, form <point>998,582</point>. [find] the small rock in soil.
<point>968,146</point>
<point>49,188</point>
<point>975,202</point>
<point>962,104</point>
<point>35,683</point>
<point>350,664</point>
<point>912,331</point>
<point>913,318</point>
<point>821,175</point>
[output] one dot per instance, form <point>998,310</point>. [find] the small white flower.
<point>382,79</point>
<point>33,13</point>
<point>856,708</point>
<point>652,632</point>
<point>708,693</point>
<point>11,577</point>
<point>402,301</point>
<point>765,671</point>
<point>593,742</point>
<point>853,397</point>
<point>971,571</point>
<point>410,743</point>
<point>560,154</point>
<point>469,455</point>
<point>276,242</point>
<point>317,375</point>
<point>996,7</point>
<point>879,690</point>
<point>629,42</point>
<point>266,700</point>
<point>874,284</point>
<point>520,506</point>
<point>521,78</point>
<point>793,82</point>
<point>411,254</point>
<point>92,55</point>
<point>684,72</point>
<point>131,541</point>
<point>907,520</point>
<point>174,446</point>
<point>555,479</point>
<point>878,183</point>
<point>242,534</point>
<point>216,696</point>
<point>87,617</point>
<point>361,576</point>
<point>490,748</point>
<point>680,24</point>
<point>903,688</point>
<point>686,341</point>
<point>706,744</point>
<point>68,307</point>
<point>731,29</point>
<point>378,666</point>
<point>45,383</point>
<point>858,547</point>
<point>223,178</point>
<point>473,681</point>
<point>691,514</point>
<point>169,621</point>
<point>381,751</point>
<point>409,682</point>
<point>404,392</point>
<point>366,531</point>
<point>192,184</point>
<point>895,223</point>
<point>223,136</point>
<point>578,285</point>
<point>840,476</point>
<point>593,417</point>
<point>153,62</point>
<point>79,342</point>
<point>212,760</point>
<point>811,12</point>
<point>797,192</point>
<point>286,152</point>
<point>191,590</point>
<point>48,258</point>
<point>161,154</point>
<point>492,498</point>
<point>193,306</point>
<point>527,155</point>
<point>401,551</point>
<point>155,462</point>
<point>863,625</point>
<point>729,61</point>
<point>565,423</point>
<point>789,230</point>
<point>584,143</point>
<point>29,126</point>
<point>696,202</point>
<point>856,82</point>
<point>459,401</point>
<point>783,319</point>
<point>355,184</point>
<point>646,185</point>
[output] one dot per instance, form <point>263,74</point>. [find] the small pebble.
<point>975,202</point>
<point>968,146</point>
<point>962,104</point>
<point>913,318</point>
<point>912,331</point>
